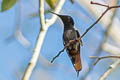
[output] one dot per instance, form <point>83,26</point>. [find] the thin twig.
<point>108,8</point>
<point>104,57</point>
<point>95,10</point>
<point>57,55</point>
<point>41,36</point>
<point>61,51</point>
<point>104,5</point>
<point>99,4</point>
<point>109,70</point>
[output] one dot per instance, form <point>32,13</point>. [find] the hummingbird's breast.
<point>69,35</point>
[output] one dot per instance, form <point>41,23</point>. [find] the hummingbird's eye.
<point>69,19</point>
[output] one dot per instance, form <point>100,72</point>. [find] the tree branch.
<point>104,57</point>
<point>109,70</point>
<point>93,10</point>
<point>108,8</point>
<point>41,36</point>
<point>41,14</point>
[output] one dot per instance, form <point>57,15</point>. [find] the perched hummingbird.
<point>70,33</point>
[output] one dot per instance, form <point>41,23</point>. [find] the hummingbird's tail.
<point>76,63</point>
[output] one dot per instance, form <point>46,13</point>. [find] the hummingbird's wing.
<point>78,35</point>
<point>78,64</point>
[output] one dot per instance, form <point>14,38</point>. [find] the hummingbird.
<point>71,33</point>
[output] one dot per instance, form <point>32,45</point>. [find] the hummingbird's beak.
<point>60,16</point>
<point>54,13</point>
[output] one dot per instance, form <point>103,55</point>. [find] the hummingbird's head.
<point>67,20</point>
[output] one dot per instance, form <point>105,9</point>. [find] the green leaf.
<point>7,4</point>
<point>51,3</point>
